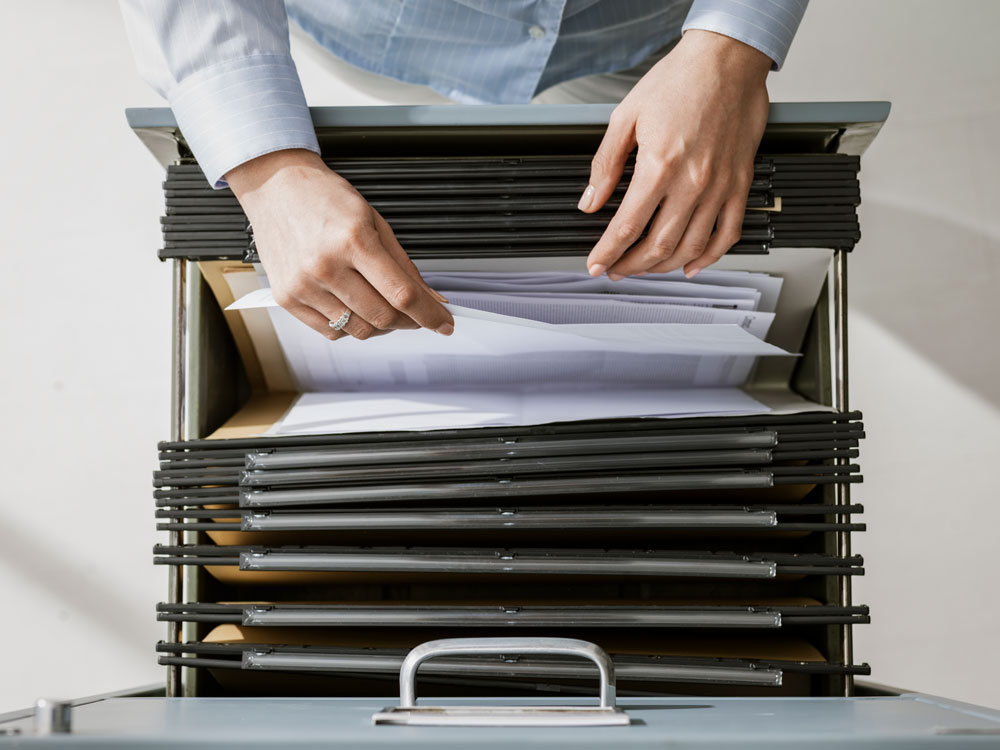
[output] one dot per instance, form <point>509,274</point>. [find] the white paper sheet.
<point>260,330</point>
<point>573,348</point>
<point>504,334</point>
<point>567,282</point>
<point>317,413</point>
<point>490,351</point>
<point>562,309</point>
<point>748,304</point>
<point>767,285</point>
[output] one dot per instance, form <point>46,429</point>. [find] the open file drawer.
<point>216,372</point>
<point>211,381</point>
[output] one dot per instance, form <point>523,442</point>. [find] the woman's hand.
<point>327,251</point>
<point>696,118</point>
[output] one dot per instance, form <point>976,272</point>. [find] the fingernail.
<point>439,297</point>
<point>615,276</point>
<point>692,274</point>
<point>586,199</point>
<point>446,330</point>
<point>597,269</point>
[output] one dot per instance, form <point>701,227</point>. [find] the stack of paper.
<point>539,347</point>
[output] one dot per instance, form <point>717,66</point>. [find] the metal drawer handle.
<point>501,646</point>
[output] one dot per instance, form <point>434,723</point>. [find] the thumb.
<point>609,161</point>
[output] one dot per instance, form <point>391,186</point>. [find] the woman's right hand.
<point>327,251</point>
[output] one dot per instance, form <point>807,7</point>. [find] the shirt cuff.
<point>765,25</point>
<point>237,110</point>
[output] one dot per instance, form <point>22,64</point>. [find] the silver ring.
<point>341,321</point>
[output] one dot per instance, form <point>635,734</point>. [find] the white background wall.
<point>84,341</point>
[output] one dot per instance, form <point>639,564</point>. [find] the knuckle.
<point>362,332</point>
<point>657,168</point>
<point>600,165</point>
<point>700,179</point>
<point>673,160</point>
<point>384,319</point>
<point>292,291</point>
<point>315,267</point>
<point>692,250</point>
<point>404,296</point>
<point>716,253</point>
<point>627,231</point>
<point>284,297</point>
<point>354,234</point>
<point>356,205</point>
<point>658,171</point>
<point>730,236</point>
<point>618,117</point>
<point>349,235</point>
<point>663,247</point>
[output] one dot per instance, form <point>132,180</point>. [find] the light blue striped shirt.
<point>226,69</point>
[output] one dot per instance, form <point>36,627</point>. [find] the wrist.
<point>736,57</point>
<point>255,175</point>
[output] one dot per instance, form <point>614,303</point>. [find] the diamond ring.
<point>341,321</point>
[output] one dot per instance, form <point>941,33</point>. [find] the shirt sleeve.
<point>766,25</point>
<point>226,69</point>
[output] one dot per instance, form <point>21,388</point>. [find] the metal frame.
<point>178,411</point>
<point>842,492</point>
<point>849,126</point>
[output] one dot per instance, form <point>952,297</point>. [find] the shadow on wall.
<point>935,284</point>
<point>58,571</point>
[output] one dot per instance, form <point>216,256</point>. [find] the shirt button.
<point>536,32</point>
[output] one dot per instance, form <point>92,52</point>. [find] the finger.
<point>321,324</point>
<point>344,332</point>
<point>315,320</point>
<point>641,199</point>
<point>391,244</point>
<point>692,243</point>
<point>333,308</point>
<point>659,243</point>
<point>356,326</point>
<point>727,233</point>
<point>609,161</point>
<point>401,291</point>
<point>354,293</point>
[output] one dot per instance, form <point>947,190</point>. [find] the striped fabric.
<point>225,67</point>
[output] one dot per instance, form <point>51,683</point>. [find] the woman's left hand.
<point>696,119</point>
